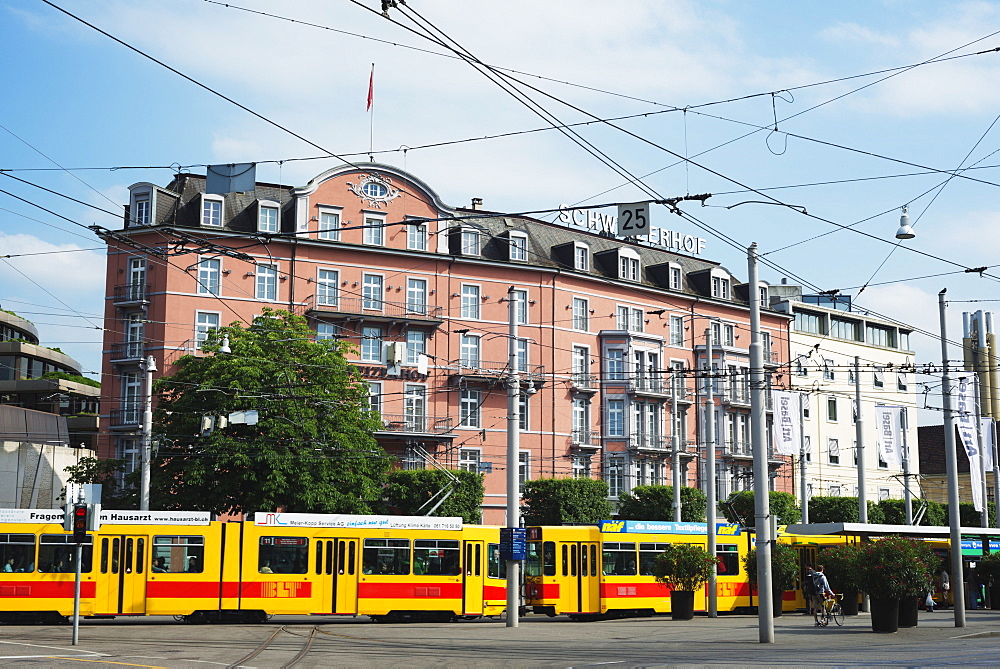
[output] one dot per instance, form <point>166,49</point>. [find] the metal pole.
<point>996,468</point>
<point>675,444</point>
<point>804,495</point>
<point>859,437</point>
<point>148,366</point>
<point>758,436</point>
<point>513,442</point>
<point>710,503</point>
<point>951,465</point>
<point>76,595</point>
<point>984,515</point>
<point>907,497</point>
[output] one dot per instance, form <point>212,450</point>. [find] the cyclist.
<point>822,592</point>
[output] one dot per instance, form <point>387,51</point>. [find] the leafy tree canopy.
<point>312,449</point>
<point>656,502</point>
<point>566,501</point>
<point>740,507</point>
<point>841,510</point>
<point>685,566</point>
<point>412,493</point>
<point>107,473</point>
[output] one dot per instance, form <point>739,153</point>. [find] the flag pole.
<point>371,120</point>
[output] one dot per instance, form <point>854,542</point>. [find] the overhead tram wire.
<point>200,85</point>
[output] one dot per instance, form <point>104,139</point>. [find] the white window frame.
<point>523,412</point>
<point>615,414</point>
<point>721,286</point>
<point>326,331</point>
<point>581,257</point>
<point>264,210</point>
<point>614,475</point>
<point>628,265</point>
<point>580,363</point>
<point>833,450</point>
<point>206,216</point>
<point>372,292</point>
<point>416,346</point>
<point>209,276</point>
<point>470,408</point>
<point>471,241</point>
<point>417,235</point>
<point>141,206</point>
<point>203,325</point>
<point>832,416</point>
<point>614,365</point>
<point>581,314</point>
<point>523,469</point>
<point>675,277</point>
<point>375,396</point>
<point>469,459</point>
<point>471,296</point>
<point>373,233</point>
<point>327,287</point>
<point>581,466</point>
<point>372,349</point>
<point>677,331</point>
<point>325,216</point>
<point>728,335</point>
<point>520,298</point>
<point>521,351</point>
<point>416,296</point>
<point>517,244</point>
<point>470,351</point>
<point>266,282</point>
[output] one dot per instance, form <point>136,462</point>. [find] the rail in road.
<point>266,646</point>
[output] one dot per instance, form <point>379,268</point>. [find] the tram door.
<point>580,562</point>
<point>122,585</point>
<point>337,561</point>
<point>474,578</point>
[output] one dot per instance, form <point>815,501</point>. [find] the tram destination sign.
<point>272,519</point>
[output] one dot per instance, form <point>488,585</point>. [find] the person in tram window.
<point>193,567</point>
<point>8,566</point>
<point>158,566</point>
<point>266,567</point>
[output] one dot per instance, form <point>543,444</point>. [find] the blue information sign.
<point>513,543</point>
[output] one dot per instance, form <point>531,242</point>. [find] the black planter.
<point>682,604</point>
<point>885,615</point>
<point>850,603</point>
<point>908,607</point>
<point>777,603</point>
<point>995,597</point>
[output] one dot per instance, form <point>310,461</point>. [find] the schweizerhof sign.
<point>595,221</point>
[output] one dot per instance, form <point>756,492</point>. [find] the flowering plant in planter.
<point>784,566</point>
<point>895,567</point>
<point>988,569</point>
<point>686,566</point>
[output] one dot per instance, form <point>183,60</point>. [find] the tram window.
<point>140,552</point>
<point>57,553</point>
<point>319,557</point>
<point>283,555</point>
<point>648,553</point>
<point>351,557</point>
<point>116,546</point>
<point>572,560</point>
<point>565,561</point>
<point>549,558</point>
<point>593,560</point>
<point>479,559</point>
<point>386,556</point>
<point>619,559</point>
<point>178,554</point>
<point>532,560</point>
<point>104,556</point>
<point>729,559</point>
<point>583,561</point>
<point>329,557</point>
<point>17,552</point>
<point>436,557</point>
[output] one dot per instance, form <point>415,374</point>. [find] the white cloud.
<point>854,33</point>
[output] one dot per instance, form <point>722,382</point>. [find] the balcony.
<point>584,383</point>
<point>649,442</point>
<point>131,294</point>
<point>128,351</point>
<point>649,386</point>
<point>416,424</point>
<point>489,371</point>
<point>124,418</point>
<point>373,310</point>
<point>585,439</point>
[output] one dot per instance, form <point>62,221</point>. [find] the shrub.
<point>988,569</point>
<point>409,490</point>
<point>656,502</point>
<point>895,513</point>
<point>784,566</point>
<point>841,510</point>
<point>741,505</point>
<point>896,567</point>
<point>65,376</point>
<point>841,565</point>
<point>566,501</point>
<point>686,566</point>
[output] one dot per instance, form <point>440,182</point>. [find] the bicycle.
<point>831,610</point>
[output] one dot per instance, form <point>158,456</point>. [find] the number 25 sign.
<point>633,219</point>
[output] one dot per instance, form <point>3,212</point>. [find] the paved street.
<point>538,642</point>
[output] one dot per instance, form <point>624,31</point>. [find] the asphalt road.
<point>729,640</point>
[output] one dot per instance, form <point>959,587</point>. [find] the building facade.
<point>827,335</point>
<point>609,330</point>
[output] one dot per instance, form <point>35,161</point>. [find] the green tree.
<point>407,491</point>
<point>969,517</point>
<point>656,502</point>
<point>566,501</point>
<point>894,512</point>
<point>312,449</point>
<point>841,510</point>
<point>740,505</point>
<point>118,490</point>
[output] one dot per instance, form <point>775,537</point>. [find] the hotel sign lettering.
<point>671,240</point>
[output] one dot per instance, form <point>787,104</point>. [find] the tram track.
<point>266,645</point>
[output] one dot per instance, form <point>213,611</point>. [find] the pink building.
<point>607,326</point>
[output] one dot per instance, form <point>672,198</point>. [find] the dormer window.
<point>675,277</point>
<point>211,210</point>
<point>267,216</point>
<point>141,211</point>
<point>141,205</point>
<point>518,247</point>
<point>720,287</point>
<point>581,257</point>
<point>762,294</point>
<point>470,242</point>
<point>628,265</point>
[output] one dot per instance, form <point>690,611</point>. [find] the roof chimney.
<point>477,203</point>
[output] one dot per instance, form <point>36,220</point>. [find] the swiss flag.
<point>371,88</point>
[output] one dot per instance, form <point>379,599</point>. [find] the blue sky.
<point>76,99</point>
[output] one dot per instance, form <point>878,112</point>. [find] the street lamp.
<point>905,230</point>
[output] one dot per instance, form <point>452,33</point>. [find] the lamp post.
<point>148,366</point>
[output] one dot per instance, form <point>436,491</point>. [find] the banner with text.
<point>888,444</point>
<point>989,442</point>
<point>785,429</point>
<point>966,421</point>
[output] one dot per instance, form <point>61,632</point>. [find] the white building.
<point>826,337</point>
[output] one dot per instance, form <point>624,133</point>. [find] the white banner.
<point>965,420</point>
<point>888,442</point>
<point>989,438</point>
<point>361,522</point>
<point>785,428</point>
